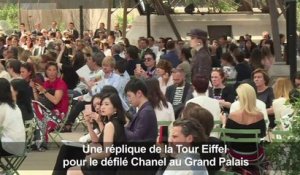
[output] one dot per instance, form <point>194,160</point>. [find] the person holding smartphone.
<point>55,91</point>
<point>150,66</point>
<point>112,134</point>
<point>223,93</point>
<point>94,123</point>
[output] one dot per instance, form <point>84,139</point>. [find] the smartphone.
<point>138,66</point>
<point>88,109</point>
<point>163,134</point>
<point>37,80</point>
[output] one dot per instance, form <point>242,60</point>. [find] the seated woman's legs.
<point>74,113</point>
<point>66,153</point>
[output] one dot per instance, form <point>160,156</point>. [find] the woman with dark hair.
<point>149,63</point>
<point>112,134</point>
<point>28,74</point>
<point>67,151</point>
<point>27,71</point>
<point>163,109</point>
<point>54,85</point>
<point>221,92</point>
<point>12,140</point>
<point>256,59</point>
<point>228,66</point>
<point>161,48</point>
<point>250,46</point>
<point>164,73</point>
<point>29,44</point>
<point>132,57</point>
<point>264,92</point>
<point>242,68</point>
<point>267,43</point>
<point>185,63</point>
<point>267,57</point>
<point>215,62</point>
<point>23,98</point>
<point>68,69</point>
<point>54,93</point>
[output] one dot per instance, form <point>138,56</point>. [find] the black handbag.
<point>45,101</point>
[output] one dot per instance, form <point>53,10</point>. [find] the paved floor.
<point>42,163</point>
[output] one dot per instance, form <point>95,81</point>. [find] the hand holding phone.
<point>88,109</point>
<point>138,67</point>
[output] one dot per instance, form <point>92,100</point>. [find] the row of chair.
<point>11,164</point>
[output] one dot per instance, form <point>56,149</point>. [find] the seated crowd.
<point>125,91</point>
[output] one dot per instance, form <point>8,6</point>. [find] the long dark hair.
<point>6,95</point>
<point>29,67</point>
<point>117,103</point>
<point>187,53</point>
<point>154,95</point>
<point>105,90</point>
<point>23,97</point>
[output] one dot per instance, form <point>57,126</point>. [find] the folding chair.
<point>45,115</point>
<point>217,129</point>
<point>280,136</point>
<point>260,155</point>
<point>11,164</point>
<point>80,121</point>
<point>163,123</point>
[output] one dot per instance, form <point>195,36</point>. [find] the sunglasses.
<point>217,68</point>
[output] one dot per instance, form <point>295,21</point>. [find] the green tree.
<point>9,13</point>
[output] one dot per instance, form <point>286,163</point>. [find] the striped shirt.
<point>178,95</point>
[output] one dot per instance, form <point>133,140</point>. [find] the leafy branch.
<point>9,13</point>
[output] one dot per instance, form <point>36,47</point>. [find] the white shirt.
<point>163,86</point>
<point>13,133</point>
<point>165,114</point>
<point>4,74</point>
<point>280,109</point>
<point>154,49</point>
<point>212,105</point>
<point>107,52</point>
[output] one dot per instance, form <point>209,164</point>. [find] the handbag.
<point>45,101</point>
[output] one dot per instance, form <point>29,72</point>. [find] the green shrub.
<point>9,13</point>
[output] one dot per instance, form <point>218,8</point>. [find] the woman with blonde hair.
<point>281,88</point>
<point>248,116</point>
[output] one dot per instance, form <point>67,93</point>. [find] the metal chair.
<point>260,155</point>
<point>80,121</point>
<point>11,164</point>
<point>45,115</point>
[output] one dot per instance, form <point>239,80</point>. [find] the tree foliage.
<point>284,156</point>
<point>9,13</point>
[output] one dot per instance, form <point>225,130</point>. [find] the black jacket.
<point>201,63</point>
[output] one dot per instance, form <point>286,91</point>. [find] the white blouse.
<point>165,114</point>
<point>13,133</point>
